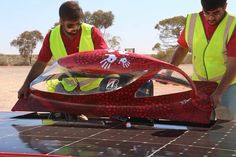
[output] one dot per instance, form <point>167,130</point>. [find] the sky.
<point>134,20</point>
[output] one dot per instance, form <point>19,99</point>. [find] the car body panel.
<point>192,105</point>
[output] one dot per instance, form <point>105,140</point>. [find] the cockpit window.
<point>163,83</point>
<point>57,79</point>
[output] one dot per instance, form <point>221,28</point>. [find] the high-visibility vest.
<point>57,46</point>
<point>58,51</point>
<point>208,57</point>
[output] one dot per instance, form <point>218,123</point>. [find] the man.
<point>211,37</point>
<point>71,36</point>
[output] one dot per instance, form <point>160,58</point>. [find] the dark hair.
<point>212,4</point>
<point>71,11</point>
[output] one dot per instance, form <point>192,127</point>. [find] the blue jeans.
<point>228,100</point>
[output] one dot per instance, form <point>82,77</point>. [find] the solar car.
<point>111,83</point>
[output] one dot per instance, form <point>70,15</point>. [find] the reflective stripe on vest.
<point>208,57</point>
<point>58,51</point>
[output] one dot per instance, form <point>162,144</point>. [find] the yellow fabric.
<point>51,85</point>
<point>86,42</point>
<point>47,122</point>
<point>70,84</point>
<point>58,51</point>
<point>56,43</point>
<point>208,57</point>
<point>91,85</point>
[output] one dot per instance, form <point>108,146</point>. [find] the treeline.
<point>166,55</point>
<point>14,60</point>
<point>18,60</point>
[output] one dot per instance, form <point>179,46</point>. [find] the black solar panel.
<point>92,138</point>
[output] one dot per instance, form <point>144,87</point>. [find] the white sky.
<point>134,19</point>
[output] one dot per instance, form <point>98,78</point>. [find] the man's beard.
<point>72,33</point>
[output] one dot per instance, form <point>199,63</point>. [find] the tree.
<point>103,20</point>
<point>165,55</point>
<point>26,42</point>
<point>87,17</point>
<point>113,42</point>
<point>157,46</point>
<point>169,31</point>
<point>100,19</point>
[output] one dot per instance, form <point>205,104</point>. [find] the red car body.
<point>191,105</point>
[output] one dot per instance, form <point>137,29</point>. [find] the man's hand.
<point>216,99</point>
<point>23,92</point>
<point>35,71</point>
<point>225,82</point>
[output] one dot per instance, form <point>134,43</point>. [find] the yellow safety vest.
<point>58,51</point>
<point>208,57</point>
<point>57,46</point>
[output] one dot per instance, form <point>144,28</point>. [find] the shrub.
<point>3,60</point>
<point>167,55</point>
<point>14,60</point>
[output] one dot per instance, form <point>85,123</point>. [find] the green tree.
<point>169,31</point>
<point>113,42</point>
<point>165,55</point>
<point>26,42</point>
<point>88,18</point>
<point>103,20</point>
<point>157,47</point>
<point>100,19</point>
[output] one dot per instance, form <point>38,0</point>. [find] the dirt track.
<point>12,77</point>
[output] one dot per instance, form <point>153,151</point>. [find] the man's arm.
<point>181,51</point>
<point>35,71</point>
<point>179,55</point>
<point>98,40</point>
<point>177,58</point>
<point>228,77</point>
